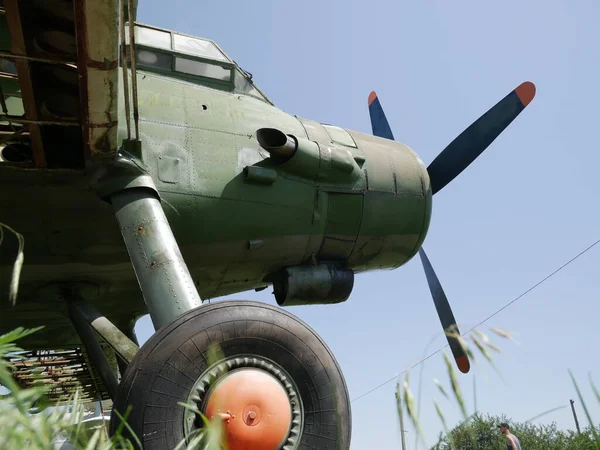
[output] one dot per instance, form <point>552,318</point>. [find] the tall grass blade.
<point>546,412</point>
<point>16,275</point>
<point>18,264</point>
<point>440,387</point>
<point>505,334</point>
<point>400,409</point>
<point>455,385</point>
<point>126,425</point>
<point>441,415</point>
<point>486,355</point>
<point>594,387</point>
<point>453,333</point>
<point>411,409</point>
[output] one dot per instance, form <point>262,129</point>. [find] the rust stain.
<point>102,65</point>
<point>82,53</point>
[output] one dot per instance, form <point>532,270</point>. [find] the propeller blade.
<point>379,123</point>
<point>445,313</point>
<point>463,150</point>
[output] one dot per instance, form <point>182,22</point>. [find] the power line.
<point>482,322</point>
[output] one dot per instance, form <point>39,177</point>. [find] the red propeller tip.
<point>463,364</point>
<point>372,97</point>
<point>526,92</point>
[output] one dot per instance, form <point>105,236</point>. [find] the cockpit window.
<point>195,59</point>
<point>198,47</point>
<point>151,37</point>
<point>202,69</point>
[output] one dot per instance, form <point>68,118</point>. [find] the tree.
<point>481,433</point>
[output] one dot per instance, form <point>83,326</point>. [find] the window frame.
<point>225,84</point>
<point>227,63</point>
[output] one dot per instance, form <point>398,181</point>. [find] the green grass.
<point>26,423</point>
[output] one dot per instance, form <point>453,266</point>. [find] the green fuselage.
<point>362,202</point>
<point>371,211</point>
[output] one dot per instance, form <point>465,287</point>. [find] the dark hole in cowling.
<point>204,107</point>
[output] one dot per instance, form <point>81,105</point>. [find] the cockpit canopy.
<point>190,58</point>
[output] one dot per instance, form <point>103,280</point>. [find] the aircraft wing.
<point>59,70</point>
<point>59,76</point>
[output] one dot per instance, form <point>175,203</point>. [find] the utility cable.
<point>482,322</point>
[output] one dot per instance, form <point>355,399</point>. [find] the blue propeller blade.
<point>382,129</point>
<point>379,123</point>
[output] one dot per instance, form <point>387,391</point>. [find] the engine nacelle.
<point>313,285</point>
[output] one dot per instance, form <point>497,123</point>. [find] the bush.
<point>481,432</point>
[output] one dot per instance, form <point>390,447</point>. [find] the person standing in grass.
<point>512,442</point>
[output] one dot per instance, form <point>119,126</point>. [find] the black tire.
<point>161,373</point>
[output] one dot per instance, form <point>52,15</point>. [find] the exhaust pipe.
<point>280,146</point>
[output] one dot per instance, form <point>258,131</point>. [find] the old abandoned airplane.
<point>215,191</point>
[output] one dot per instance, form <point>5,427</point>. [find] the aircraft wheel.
<point>272,380</point>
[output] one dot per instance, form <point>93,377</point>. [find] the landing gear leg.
<point>265,373</point>
<point>163,276</point>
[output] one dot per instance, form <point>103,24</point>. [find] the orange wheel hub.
<point>255,410</point>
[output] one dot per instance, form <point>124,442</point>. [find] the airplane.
<point>148,173</point>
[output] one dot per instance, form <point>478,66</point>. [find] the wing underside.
<point>58,110</point>
<point>59,81</point>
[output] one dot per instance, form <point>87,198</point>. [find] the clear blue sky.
<point>521,210</point>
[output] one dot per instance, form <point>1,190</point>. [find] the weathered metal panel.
<point>250,114</point>
<point>97,33</point>
<point>344,214</point>
<point>315,131</point>
<point>62,371</point>
<point>340,136</point>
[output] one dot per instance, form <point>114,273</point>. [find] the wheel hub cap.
<point>255,408</point>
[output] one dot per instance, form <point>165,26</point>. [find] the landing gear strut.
<point>263,372</point>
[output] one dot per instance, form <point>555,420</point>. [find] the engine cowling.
<point>372,195</point>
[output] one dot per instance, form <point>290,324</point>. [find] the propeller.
<point>468,145</point>
<point>453,160</point>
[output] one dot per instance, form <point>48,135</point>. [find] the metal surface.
<point>206,382</point>
<point>123,55</point>
<point>94,351</point>
<point>62,371</point>
<point>277,143</point>
<point>97,26</point>
<point>258,418</point>
<point>119,342</point>
<point>312,285</point>
<point>16,56</point>
<point>18,119</point>
<point>163,276</point>
<point>134,90</point>
<point>13,18</point>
